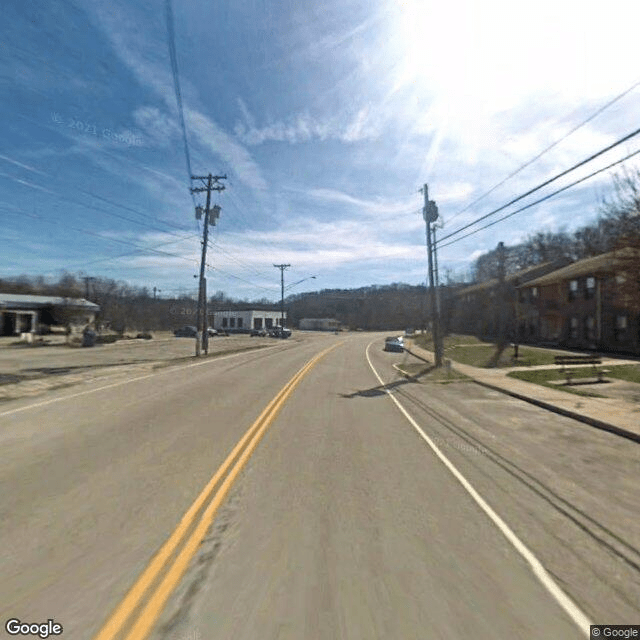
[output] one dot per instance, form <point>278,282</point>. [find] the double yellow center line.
<point>148,596</point>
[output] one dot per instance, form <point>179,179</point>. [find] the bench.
<point>566,361</point>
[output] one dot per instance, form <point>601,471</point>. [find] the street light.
<point>299,281</point>
<point>293,284</point>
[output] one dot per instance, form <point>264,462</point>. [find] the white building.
<point>246,320</point>
<point>319,324</point>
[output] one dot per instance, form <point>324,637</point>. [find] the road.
<point>354,517</point>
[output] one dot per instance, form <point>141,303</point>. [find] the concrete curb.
<point>593,422</point>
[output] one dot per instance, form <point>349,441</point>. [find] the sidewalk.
<point>603,413</point>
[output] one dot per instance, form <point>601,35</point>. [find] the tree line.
<point>616,226</point>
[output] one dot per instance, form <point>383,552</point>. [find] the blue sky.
<point>326,117</point>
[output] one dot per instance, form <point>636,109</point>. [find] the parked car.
<point>187,331</point>
<point>261,333</point>
<point>394,343</point>
<point>89,338</point>
<point>212,332</point>
<point>280,332</point>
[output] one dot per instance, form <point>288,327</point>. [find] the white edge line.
<point>128,380</point>
<point>570,607</point>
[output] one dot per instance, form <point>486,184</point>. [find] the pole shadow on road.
<point>379,390</point>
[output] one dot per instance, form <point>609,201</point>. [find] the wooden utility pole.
<point>430,215</point>
<point>282,267</point>
<point>87,280</point>
<point>502,297</point>
<point>210,216</point>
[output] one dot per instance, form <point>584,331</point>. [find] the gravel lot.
<point>30,370</point>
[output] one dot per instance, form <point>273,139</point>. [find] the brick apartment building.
<point>580,306</point>
<point>477,309</point>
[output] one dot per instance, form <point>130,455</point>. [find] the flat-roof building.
<point>243,321</point>
<point>27,314</point>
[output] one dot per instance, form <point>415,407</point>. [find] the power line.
<point>176,85</point>
<point>231,275</point>
<point>547,149</point>
<point>55,194</point>
<point>118,158</point>
<point>128,254</point>
<point>18,211</point>
<point>101,149</point>
<point>230,255</point>
<point>240,205</point>
<point>544,184</point>
<point>551,195</point>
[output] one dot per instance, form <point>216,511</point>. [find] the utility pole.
<point>437,283</point>
<point>87,280</point>
<point>516,329</point>
<point>212,183</point>
<point>282,267</point>
<point>154,292</point>
<point>423,326</point>
<point>502,338</point>
<point>430,215</point>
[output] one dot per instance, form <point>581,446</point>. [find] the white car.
<point>394,343</point>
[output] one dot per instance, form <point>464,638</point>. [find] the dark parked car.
<point>394,344</point>
<point>261,333</point>
<point>186,332</point>
<point>280,332</point>
<point>89,338</point>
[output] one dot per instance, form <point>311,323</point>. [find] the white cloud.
<point>159,128</point>
<point>303,127</point>
<point>317,246</point>
<point>224,145</point>
<point>140,55</point>
<point>378,206</point>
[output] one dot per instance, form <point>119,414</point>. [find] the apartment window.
<point>232,322</point>
<point>573,289</point>
<point>590,328</point>
<point>534,292</point>
<point>621,327</point>
<point>224,323</point>
<point>239,323</point>
<point>590,289</point>
<point>573,328</point>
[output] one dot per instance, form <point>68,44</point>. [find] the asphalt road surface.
<point>400,510</point>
